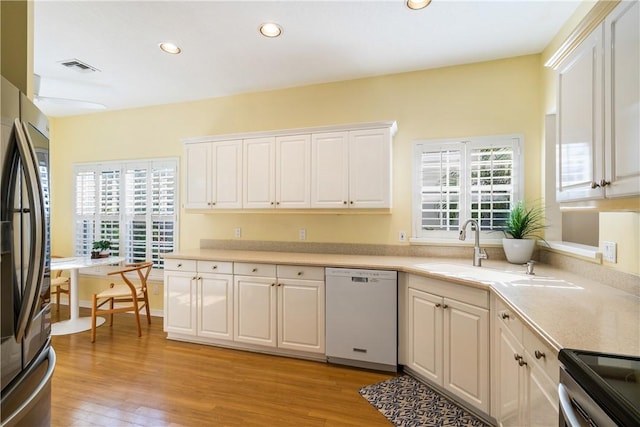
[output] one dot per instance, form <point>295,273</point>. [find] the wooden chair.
<point>59,285</point>
<point>129,296</point>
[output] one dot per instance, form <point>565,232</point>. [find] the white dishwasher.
<point>362,318</point>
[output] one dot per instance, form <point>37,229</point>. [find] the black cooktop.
<point>612,381</point>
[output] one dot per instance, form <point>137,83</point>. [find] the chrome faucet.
<point>478,253</point>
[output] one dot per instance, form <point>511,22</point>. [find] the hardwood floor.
<point>123,380</point>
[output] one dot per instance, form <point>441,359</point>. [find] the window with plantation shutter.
<point>455,180</point>
<point>132,204</point>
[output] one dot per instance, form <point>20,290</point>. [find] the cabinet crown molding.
<point>591,20</point>
<point>391,124</point>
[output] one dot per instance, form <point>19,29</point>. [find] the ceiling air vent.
<point>79,66</point>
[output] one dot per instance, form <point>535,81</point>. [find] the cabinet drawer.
<point>218,267</point>
<point>180,264</point>
<point>300,272</point>
<point>467,294</point>
<point>546,358</point>
<point>253,269</point>
<point>507,318</point>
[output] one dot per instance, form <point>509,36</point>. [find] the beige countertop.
<point>565,309</point>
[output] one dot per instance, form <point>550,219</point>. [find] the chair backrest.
<point>142,268</point>
<point>58,273</point>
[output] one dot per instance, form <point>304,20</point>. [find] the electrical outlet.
<point>402,236</point>
<point>303,234</point>
<point>155,290</point>
<point>238,232</point>
<point>609,252</point>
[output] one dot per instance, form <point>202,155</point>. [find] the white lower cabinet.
<point>525,374</point>
<point>198,298</point>
<point>447,337</point>
<point>180,297</point>
<point>279,306</point>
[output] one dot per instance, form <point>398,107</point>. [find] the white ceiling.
<point>224,54</point>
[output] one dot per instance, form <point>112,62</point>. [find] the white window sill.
<point>577,249</point>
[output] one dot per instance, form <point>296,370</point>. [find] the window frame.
<point>515,141</point>
<point>123,215</point>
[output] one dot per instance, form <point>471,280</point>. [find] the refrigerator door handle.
<point>37,236</point>
<point>46,379</point>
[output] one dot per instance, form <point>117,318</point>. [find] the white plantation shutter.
<point>457,180</point>
<point>132,204</point>
<point>441,194</point>
<point>491,185</point>
<point>163,213</point>
<point>85,209</point>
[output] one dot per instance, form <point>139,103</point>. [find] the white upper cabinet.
<point>599,111</point>
<point>213,175</point>
<point>330,170</point>
<point>351,169</point>
<point>333,167</point>
<point>259,180</point>
<point>370,168</point>
<point>622,100</point>
<point>293,171</point>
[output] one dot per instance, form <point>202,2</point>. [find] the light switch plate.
<point>609,251</point>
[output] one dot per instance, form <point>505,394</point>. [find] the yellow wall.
<point>497,97</point>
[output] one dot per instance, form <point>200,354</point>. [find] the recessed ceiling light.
<point>170,47</point>
<point>270,29</point>
<point>417,4</point>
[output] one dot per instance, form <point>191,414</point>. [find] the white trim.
<point>392,125</point>
<point>590,252</point>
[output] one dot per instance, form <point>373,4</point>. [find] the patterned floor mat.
<point>407,402</point>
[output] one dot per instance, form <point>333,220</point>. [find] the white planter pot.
<point>518,251</point>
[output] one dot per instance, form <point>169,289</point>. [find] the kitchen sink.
<point>491,276</point>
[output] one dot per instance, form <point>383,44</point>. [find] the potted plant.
<point>522,228</point>
<point>101,249</point>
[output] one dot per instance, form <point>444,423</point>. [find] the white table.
<point>76,323</point>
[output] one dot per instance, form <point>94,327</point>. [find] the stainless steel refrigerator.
<point>27,358</point>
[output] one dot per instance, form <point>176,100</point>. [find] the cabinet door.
<point>580,132</point>
<point>622,100</point>
<point>259,173</point>
<point>466,352</point>
<point>330,170</point>
<point>226,175</point>
<point>510,380</point>
<point>293,169</point>
<point>425,334</point>
<point>370,168</point>
<point>180,302</point>
<point>197,176</point>
<point>542,396</point>
<point>215,306</point>
<point>254,314</point>
<point>301,315</point>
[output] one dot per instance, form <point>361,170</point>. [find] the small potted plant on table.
<point>522,228</point>
<point>101,249</point>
